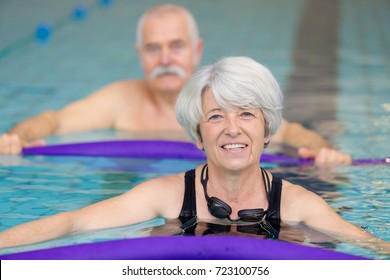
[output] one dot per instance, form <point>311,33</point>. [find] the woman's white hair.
<point>235,82</point>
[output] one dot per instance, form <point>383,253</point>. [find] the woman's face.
<point>231,140</point>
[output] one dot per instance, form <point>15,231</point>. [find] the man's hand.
<point>12,144</point>
<point>325,156</point>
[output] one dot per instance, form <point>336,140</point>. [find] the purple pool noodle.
<point>184,248</point>
<point>159,149</point>
<point>128,148</point>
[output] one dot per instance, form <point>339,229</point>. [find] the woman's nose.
<point>232,126</point>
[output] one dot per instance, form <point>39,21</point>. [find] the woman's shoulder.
<point>295,193</point>
<point>292,188</point>
<point>167,193</point>
<point>296,200</point>
<point>167,181</point>
<point>167,185</point>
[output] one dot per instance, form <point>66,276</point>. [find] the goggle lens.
<point>218,208</point>
<point>251,215</point>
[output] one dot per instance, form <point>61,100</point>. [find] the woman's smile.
<point>234,147</point>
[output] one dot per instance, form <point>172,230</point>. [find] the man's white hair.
<point>163,10</point>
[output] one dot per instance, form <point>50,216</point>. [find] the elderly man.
<point>170,50</point>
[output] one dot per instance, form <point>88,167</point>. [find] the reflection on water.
<point>299,234</point>
<point>34,187</point>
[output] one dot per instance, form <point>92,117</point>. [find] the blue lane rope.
<point>44,30</point>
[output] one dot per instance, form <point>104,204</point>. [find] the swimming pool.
<point>77,60</point>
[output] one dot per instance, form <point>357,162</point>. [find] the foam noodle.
<point>159,149</point>
<point>184,248</point>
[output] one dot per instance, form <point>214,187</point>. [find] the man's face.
<point>168,54</point>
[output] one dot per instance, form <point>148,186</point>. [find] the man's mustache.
<point>163,70</point>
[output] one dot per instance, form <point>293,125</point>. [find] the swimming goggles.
<point>264,228</point>
<point>222,210</point>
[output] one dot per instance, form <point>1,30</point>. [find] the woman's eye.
<point>247,115</point>
<point>215,118</point>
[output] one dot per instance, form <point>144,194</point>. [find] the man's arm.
<point>21,135</point>
<point>39,126</point>
<point>309,144</point>
<point>295,135</point>
<point>96,111</point>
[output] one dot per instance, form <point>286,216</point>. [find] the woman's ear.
<point>267,135</point>
<point>199,140</point>
<point>199,145</point>
<point>267,139</point>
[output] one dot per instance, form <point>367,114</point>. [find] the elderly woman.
<point>230,110</point>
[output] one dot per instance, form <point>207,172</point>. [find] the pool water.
<point>347,101</point>
<point>34,187</point>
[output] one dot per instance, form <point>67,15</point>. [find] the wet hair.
<point>167,9</point>
<point>235,82</point>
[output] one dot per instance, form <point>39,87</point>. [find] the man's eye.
<point>177,46</point>
<point>152,48</point>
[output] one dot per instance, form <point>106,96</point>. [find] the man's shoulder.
<point>127,85</point>
<point>123,89</point>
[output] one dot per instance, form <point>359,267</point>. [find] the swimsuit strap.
<point>188,210</point>
<point>273,211</point>
<point>267,184</point>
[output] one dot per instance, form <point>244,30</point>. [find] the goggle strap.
<point>204,178</point>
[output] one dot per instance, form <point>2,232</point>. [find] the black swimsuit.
<point>188,211</point>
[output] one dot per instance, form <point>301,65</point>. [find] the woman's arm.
<point>307,207</point>
<point>37,231</point>
<point>157,197</point>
